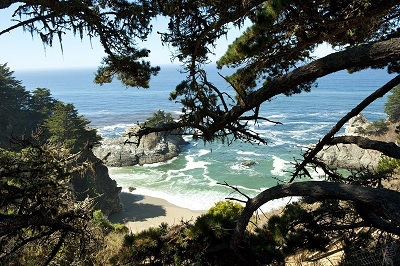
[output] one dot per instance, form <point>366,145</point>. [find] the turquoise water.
<point>192,179</point>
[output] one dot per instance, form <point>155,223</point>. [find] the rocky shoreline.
<point>96,182</point>
<point>160,147</point>
<point>153,148</point>
<point>351,156</point>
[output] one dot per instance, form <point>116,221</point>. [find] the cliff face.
<point>153,148</point>
<point>97,184</point>
<point>350,155</point>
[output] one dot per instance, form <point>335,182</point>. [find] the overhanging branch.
<point>383,204</point>
<point>356,57</point>
<point>356,110</point>
<point>389,149</point>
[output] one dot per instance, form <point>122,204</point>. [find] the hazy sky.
<point>22,51</point>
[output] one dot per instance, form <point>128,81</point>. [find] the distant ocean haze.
<point>191,180</point>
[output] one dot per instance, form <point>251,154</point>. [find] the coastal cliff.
<point>350,155</point>
<point>153,148</point>
<point>96,183</point>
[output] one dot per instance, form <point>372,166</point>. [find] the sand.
<point>142,212</point>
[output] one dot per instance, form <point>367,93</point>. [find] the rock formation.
<point>96,183</point>
<point>153,148</point>
<point>350,155</point>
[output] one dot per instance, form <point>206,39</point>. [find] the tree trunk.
<point>380,207</point>
<point>389,149</point>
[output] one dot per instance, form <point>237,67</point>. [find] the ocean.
<point>192,179</point>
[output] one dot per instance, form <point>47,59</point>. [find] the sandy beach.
<point>142,212</point>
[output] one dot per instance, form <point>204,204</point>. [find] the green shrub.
<point>225,210</point>
<point>106,225</point>
<point>158,119</point>
<point>204,242</point>
<point>388,165</point>
<point>376,128</point>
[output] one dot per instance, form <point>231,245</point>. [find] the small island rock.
<point>153,148</point>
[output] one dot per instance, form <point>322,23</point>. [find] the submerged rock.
<point>153,148</point>
<point>248,163</point>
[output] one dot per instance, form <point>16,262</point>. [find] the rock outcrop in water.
<point>153,148</point>
<point>350,155</point>
<point>96,183</point>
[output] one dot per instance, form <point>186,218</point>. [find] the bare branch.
<point>255,117</point>
<point>356,110</point>
<point>235,189</point>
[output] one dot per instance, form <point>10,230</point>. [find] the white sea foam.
<point>116,126</point>
<point>188,138</point>
<point>280,166</point>
<point>307,133</point>
<point>171,174</point>
<point>203,152</point>
<point>191,163</point>
<point>248,153</point>
<point>240,167</point>
<point>277,117</point>
<point>154,165</point>
<point>101,112</point>
<point>277,204</point>
<point>273,142</point>
<point>113,130</point>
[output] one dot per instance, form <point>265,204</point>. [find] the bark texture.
<point>378,206</point>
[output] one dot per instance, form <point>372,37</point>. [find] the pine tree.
<point>14,107</point>
<point>66,126</point>
<point>392,106</point>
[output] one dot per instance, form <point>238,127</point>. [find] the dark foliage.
<point>38,208</point>
<point>22,113</point>
<point>204,242</point>
<point>272,57</point>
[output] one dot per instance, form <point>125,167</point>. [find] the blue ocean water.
<point>191,180</point>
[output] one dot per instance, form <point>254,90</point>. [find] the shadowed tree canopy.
<point>117,24</point>
<point>23,112</point>
<point>272,57</point>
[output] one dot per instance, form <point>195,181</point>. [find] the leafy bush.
<point>106,225</point>
<point>388,165</point>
